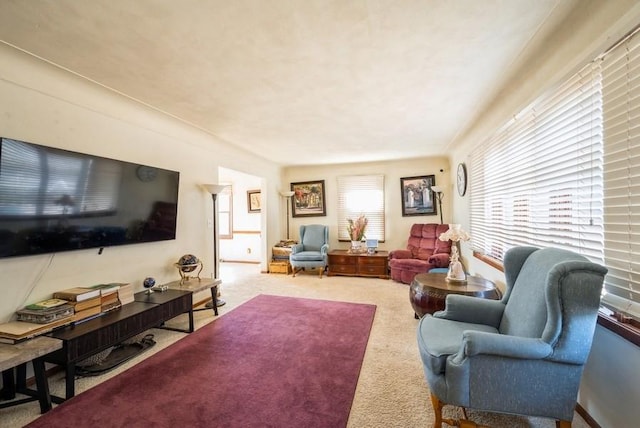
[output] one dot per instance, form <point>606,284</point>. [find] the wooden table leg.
<point>44,397</point>
<point>70,382</point>
<point>8,385</point>
<point>214,298</point>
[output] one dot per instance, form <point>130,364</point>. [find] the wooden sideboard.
<point>90,337</point>
<point>342,262</point>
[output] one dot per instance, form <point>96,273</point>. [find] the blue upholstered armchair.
<point>312,250</point>
<point>523,354</point>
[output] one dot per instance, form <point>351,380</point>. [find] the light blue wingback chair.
<point>523,354</point>
<point>312,250</point>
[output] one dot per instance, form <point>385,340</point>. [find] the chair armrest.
<point>296,248</point>
<point>472,309</point>
<point>400,254</point>
<point>324,249</point>
<point>440,260</point>
<point>482,342</point>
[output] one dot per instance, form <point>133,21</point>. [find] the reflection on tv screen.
<point>56,200</point>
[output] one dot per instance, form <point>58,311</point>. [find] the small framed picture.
<point>308,199</point>
<point>253,201</point>
<point>417,196</point>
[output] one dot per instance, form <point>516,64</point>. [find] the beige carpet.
<point>391,391</point>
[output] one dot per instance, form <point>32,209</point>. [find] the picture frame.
<point>254,202</point>
<point>308,199</point>
<point>417,196</point>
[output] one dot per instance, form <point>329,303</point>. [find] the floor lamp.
<point>214,190</point>
<point>288,196</point>
<point>437,190</point>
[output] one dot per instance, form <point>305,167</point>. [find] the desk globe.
<point>148,283</point>
<point>187,264</point>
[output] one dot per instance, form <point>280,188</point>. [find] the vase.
<point>456,271</point>
<point>355,246</point>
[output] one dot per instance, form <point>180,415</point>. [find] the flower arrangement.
<point>357,227</point>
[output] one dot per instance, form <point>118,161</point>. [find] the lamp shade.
<point>436,189</point>
<point>287,194</point>
<point>214,189</point>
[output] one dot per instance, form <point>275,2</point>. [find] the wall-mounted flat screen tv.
<point>55,200</point>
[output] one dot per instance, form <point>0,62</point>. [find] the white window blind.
<point>538,181</point>
<point>361,194</point>
<point>621,100</point>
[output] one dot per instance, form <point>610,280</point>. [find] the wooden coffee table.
<point>428,291</point>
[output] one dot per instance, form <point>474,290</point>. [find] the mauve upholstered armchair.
<point>523,354</point>
<point>312,250</point>
<point>424,252</point>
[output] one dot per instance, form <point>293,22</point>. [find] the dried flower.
<point>357,228</point>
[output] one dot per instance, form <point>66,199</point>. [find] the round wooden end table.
<point>428,291</point>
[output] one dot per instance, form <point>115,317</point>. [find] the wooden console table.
<point>342,262</point>
<point>19,355</point>
<point>90,337</point>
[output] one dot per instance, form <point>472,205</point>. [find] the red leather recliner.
<point>424,252</point>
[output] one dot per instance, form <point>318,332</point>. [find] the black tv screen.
<point>55,200</point>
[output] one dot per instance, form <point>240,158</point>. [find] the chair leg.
<point>320,270</point>
<point>563,424</point>
<point>437,409</point>
<point>462,423</point>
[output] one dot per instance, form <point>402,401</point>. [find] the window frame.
<point>225,208</point>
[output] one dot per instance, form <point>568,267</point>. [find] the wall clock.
<point>461,179</point>
<point>146,173</point>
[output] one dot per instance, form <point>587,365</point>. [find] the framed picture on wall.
<point>417,196</point>
<point>308,199</point>
<point>253,201</point>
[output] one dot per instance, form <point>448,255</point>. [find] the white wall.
<point>396,226</point>
<point>45,105</point>
<point>610,383</point>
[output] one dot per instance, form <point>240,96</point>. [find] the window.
<point>621,100</point>
<point>566,173</point>
<point>539,180</point>
<point>361,194</point>
<point>225,213</point>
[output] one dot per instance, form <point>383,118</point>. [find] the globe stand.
<point>185,269</point>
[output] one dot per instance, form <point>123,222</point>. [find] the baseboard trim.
<point>240,261</point>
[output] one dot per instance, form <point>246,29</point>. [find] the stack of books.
<point>108,296</point>
<point>19,331</point>
<point>86,303</point>
<point>125,293</point>
<point>46,311</point>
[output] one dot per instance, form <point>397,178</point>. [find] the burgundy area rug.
<point>272,362</point>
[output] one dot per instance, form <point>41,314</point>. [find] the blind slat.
<point>361,194</point>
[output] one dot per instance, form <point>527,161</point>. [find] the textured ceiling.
<point>349,80</point>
